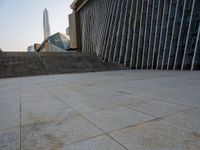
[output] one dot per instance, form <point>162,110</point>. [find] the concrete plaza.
<point>116,110</point>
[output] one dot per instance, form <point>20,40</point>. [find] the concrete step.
<point>18,64</point>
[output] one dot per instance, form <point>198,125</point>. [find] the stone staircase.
<point>19,64</point>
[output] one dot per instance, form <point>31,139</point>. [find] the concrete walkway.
<point>117,110</point>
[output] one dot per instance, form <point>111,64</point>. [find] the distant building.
<point>30,49</point>
<point>36,46</point>
<point>55,43</point>
<point>67,31</point>
<point>74,31</point>
<point>46,25</point>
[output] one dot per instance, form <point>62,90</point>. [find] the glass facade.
<point>57,42</point>
<point>143,34</point>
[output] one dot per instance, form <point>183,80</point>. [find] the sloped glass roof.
<point>59,40</point>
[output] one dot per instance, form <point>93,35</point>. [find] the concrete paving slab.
<point>35,97</point>
<point>157,135</point>
<point>10,139</point>
<point>117,118</point>
<point>12,93</point>
<point>11,83</point>
<point>46,114</point>
<point>69,96</point>
<point>9,104</point>
<point>98,92</point>
<point>9,107</point>
<point>90,104</point>
<point>40,103</point>
<point>54,135</point>
<point>189,120</point>
<point>98,143</point>
<point>84,108</point>
<point>9,120</point>
<point>156,108</point>
<point>35,91</point>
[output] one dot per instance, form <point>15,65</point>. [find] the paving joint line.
<point>78,141</point>
<point>20,114</point>
<point>133,109</point>
<point>152,98</point>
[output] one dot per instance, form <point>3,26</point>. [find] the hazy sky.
<point>21,21</point>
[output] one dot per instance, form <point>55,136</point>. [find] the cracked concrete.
<point>119,110</point>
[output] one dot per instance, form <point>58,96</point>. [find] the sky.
<point>21,21</point>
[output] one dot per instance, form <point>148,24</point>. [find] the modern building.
<point>37,46</point>
<point>55,43</point>
<point>31,49</point>
<point>67,31</point>
<point>140,34</point>
<point>46,25</point>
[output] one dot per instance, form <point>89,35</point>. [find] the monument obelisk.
<point>46,24</point>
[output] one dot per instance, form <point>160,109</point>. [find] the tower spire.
<point>46,24</point>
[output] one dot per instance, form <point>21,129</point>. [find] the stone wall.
<point>19,64</point>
